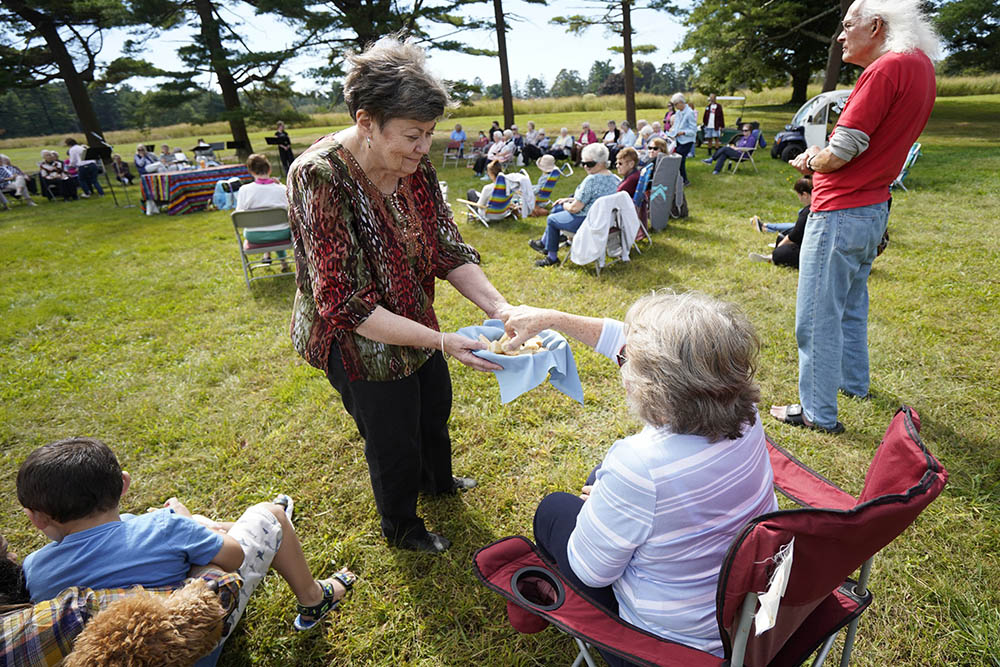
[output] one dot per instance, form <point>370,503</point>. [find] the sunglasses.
<point>620,357</point>
<point>589,164</point>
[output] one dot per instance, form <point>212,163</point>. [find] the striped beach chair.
<point>543,197</point>
<point>501,205</point>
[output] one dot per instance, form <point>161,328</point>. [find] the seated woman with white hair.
<point>647,535</point>
<point>562,146</point>
<point>569,213</point>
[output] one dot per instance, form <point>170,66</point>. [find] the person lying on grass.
<point>71,490</point>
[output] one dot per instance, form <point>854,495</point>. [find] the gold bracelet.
<point>442,344</point>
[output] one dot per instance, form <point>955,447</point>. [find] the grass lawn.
<point>139,330</point>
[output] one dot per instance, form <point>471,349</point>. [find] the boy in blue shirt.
<point>71,490</point>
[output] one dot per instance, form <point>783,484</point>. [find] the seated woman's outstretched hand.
<point>462,348</point>
<point>522,322</point>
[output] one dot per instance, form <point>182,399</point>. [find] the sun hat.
<point>546,163</point>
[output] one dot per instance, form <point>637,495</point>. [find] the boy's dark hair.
<point>70,479</point>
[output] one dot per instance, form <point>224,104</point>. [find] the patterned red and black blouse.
<point>357,248</point>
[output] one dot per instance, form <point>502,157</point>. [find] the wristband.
<point>809,165</point>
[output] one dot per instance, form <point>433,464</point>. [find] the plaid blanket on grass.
<point>43,635</point>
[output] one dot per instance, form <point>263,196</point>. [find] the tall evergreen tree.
<point>616,17</point>
<point>49,40</point>
<point>971,32</point>
<point>745,43</point>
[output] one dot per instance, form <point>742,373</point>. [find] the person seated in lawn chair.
<point>13,181</point>
<point>264,192</point>
<point>70,491</point>
<point>746,140</point>
<point>482,198</point>
<point>647,535</point>
<point>121,170</point>
<point>786,247</point>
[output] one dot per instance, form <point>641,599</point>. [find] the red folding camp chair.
<point>835,534</point>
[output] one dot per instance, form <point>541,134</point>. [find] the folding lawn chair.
<point>834,534</point>
<point>501,205</point>
<point>451,152</point>
<point>544,196</point>
<point>911,157</point>
<point>640,199</point>
<point>260,217</point>
<point>608,232</point>
<point>478,148</point>
<point>746,154</point>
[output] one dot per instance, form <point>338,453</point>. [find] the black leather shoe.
<point>428,542</point>
<point>536,245</point>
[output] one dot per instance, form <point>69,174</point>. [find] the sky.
<point>535,47</point>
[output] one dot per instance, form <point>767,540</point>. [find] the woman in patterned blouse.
<point>371,233</point>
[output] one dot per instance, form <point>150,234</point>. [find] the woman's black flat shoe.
<point>546,261</point>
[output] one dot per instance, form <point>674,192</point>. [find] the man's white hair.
<point>907,27</point>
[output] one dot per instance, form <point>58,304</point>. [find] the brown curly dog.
<point>149,629</point>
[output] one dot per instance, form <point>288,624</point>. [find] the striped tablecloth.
<point>184,191</point>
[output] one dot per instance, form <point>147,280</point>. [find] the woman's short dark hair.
<point>70,479</point>
<point>258,164</point>
<point>803,185</point>
<point>389,80</point>
<point>690,364</point>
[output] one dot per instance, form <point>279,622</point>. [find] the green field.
<point>139,330</point>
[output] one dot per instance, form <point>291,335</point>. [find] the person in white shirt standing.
<point>87,170</point>
<point>264,192</point>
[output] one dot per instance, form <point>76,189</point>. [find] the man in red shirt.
<point>894,42</point>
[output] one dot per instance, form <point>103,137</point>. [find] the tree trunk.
<point>629,71</point>
<point>75,84</point>
<point>508,99</point>
<point>800,85</point>
<point>227,84</point>
<point>835,54</point>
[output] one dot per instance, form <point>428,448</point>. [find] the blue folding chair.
<point>501,205</point>
<point>911,157</point>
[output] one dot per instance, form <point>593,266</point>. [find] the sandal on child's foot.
<point>309,617</point>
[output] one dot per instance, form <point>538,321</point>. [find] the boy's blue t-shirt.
<point>154,549</point>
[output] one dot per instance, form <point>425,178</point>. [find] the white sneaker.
<point>757,257</point>
<point>85,195</point>
<point>31,203</point>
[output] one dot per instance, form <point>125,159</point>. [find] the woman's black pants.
<point>405,426</point>
<point>683,150</point>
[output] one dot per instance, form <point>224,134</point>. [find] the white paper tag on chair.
<point>769,600</point>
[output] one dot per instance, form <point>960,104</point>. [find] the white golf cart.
<point>811,125</point>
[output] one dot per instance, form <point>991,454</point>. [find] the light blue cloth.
<point>526,371</point>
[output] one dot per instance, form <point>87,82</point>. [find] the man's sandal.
<point>795,417</point>
<point>317,612</point>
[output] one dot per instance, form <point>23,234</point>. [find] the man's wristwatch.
<point>809,165</point>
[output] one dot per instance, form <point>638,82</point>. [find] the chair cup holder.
<point>538,588</point>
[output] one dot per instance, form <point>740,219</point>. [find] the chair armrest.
<point>470,203</point>
<point>805,486</point>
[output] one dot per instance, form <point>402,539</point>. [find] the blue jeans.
<point>778,227</point>
<point>831,311</point>
<point>559,220</point>
<point>88,179</point>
